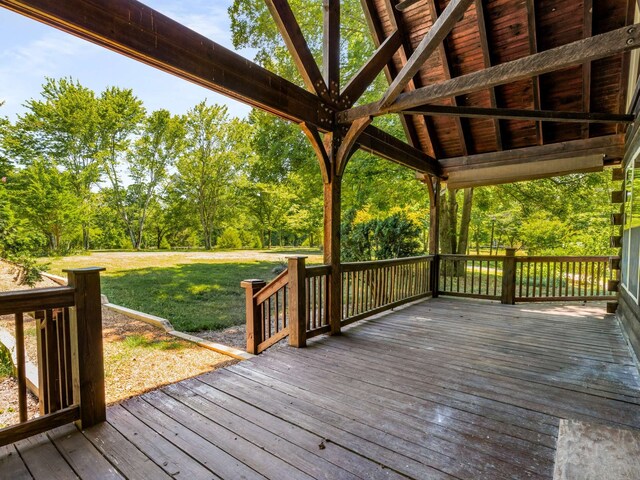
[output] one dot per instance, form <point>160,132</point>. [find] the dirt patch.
<point>232,337</point>
<point>8,283</point>
<point>138,357</point>
<point>9,413</point>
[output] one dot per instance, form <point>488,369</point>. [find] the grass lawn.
<point>194,290</point>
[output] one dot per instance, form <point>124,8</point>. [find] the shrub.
<point>230,238</point>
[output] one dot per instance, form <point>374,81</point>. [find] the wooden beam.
<point>319,148</point>
<point>348,142</point>
<point>402,6</point>
<point>518,114</point>
<point>593,48</point>
<point>533,49</point>
<point>611,145</point>
<point>130,28</point>
<point>387,146</point>
<point>437,33</point>
<point>377,32</point>
<point>486,57</point>
<point>298,47</point>
<point>331,47</point>
<point>587,31</point>
<point>137,31</point>
<point>397,22</point>
<point>496,175</point>
<point>370,70</point>
<point>446,66</point>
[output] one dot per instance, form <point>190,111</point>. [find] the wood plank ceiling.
<point>493,32</point>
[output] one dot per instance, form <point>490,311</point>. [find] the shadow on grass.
<point>193,297</point>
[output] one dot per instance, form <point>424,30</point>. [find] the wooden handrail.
<point>36,299</point>
<point>272,287</point>
<point>355,266</point>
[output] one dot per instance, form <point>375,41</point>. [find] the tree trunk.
<point>465,221</point>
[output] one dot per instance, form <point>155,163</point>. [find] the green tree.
<point>63,128</point>
<point>209,164</point>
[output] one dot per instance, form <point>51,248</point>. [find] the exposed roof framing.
<point>486,57</point>
<point>446,67</point>
<point>495,73</point>
<point>593,48</point>
<point>532,29</point>
<point>137,31</point>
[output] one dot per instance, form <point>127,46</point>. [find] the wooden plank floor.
<point>441,389</point>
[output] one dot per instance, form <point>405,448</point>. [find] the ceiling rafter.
<point>486,57</point>
<point>370,70</point>
<point>626,61</point>
<point>434,37</point>
<point>446,65</point>
<point>390,71</point>
<point>587,31</point>
<point>395,17</point>
<point>298,47</point>
<point>575,53</point>
<point>533,49</point>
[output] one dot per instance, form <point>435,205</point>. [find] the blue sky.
<point>30,51</point>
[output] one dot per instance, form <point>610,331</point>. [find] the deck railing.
<point>512,279</point>
<point>372,287</point>
<point>562,278</point>
<point>297,302</point>
<point>69,349</point>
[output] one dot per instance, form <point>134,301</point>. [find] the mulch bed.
<point>138,356</point>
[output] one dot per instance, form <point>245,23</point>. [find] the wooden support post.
<point>87,355</point>
<point>332,199</point>
<point>254,319</point>
<point>297,302</point>
<point>433,184</point>
<point>509,278</point>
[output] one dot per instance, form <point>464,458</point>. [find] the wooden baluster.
<point>548,277</point>
<point>285,305</point>
<point>21,367</point>
<point>473,275</point>
<point>521,281</point>
<point>593,266</point>
<point>535,267</point>
<point>573,279</point>
<point>297,308</point>
<point>314,302</point>
<point>495,278</point>
<point>579,279</point>
<point>308,303</point>
<point>599,280</point>
<point>254,314</point>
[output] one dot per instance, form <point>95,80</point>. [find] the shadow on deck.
<point>441,389</point>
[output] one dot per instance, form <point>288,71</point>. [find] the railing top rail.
<point>563,258</point>
<point>351,266</point>
<point>456,256</point>
<point>317,270</point>
<point>36,299</point>
<point>272,287</point>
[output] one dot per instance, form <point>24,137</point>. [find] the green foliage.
<point>6,364</point>
<point>193,296</point>
<point>395,236</point>
<point>230,239</point>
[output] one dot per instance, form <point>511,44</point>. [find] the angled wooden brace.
<point>298,47</point>
<point>348,142</point>
<point>319,148</point>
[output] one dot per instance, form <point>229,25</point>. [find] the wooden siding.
<point>441,389</point>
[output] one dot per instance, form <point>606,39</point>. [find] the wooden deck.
<point>441,389</point>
